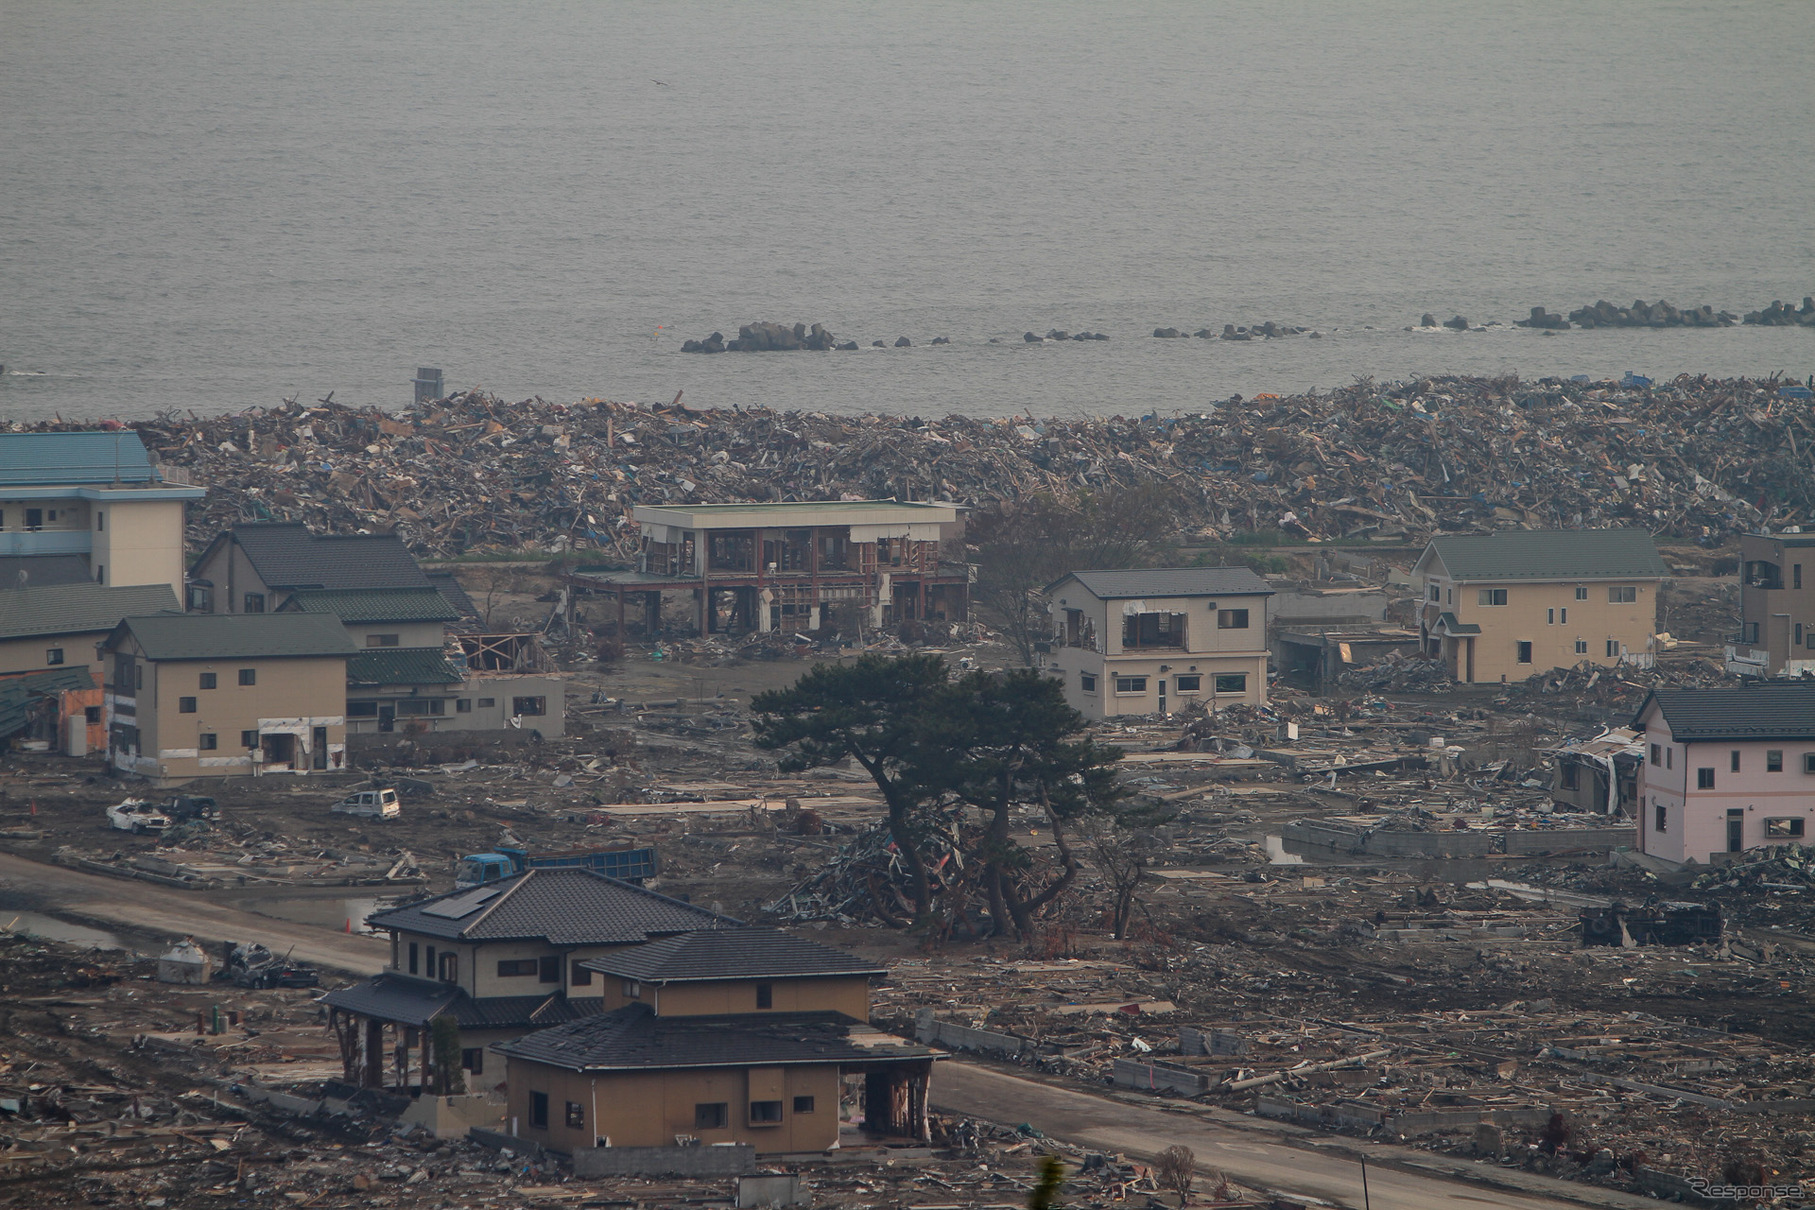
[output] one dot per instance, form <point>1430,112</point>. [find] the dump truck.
<point>623,861</point>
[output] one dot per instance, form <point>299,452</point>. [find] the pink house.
<point>1726,770</point>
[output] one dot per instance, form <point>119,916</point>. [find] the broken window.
<point>710,1115</point>
<point>1153,630</point>
<point>803,1104</point>
<point>529,705</point>
<point>1783,829</point>
<point>1524,652</point>
<point>1662,818</point>
<point>576,1115</point>
<point>548,970</point>
<point>1231,619</point>
<point>538,1110</point>
<point>472,1058</point>
<point>765,1113</point>
<point>1571,776</point>
<point>1490,596</point>
<point>1231,682</point>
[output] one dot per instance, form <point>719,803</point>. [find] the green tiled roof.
<point>402,666</point>
<point>76,608</point>
<point>225,636</point>
<point>375,605</point>
<point>1551,554</point>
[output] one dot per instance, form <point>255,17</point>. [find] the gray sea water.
<point>214,205</point>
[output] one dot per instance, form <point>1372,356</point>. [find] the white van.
<point>376,804</point>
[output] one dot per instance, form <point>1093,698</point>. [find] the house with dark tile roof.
<point>254,568</point>
<point>755,970</point>
<point>1726,770</point>
<point>498,960</point>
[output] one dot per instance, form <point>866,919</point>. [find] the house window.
<point>101,523</point>
<point>381,640</point>
<point>254,603</point>
<point>710,1115</point>
<point>54,656</point>
<point>1662,817</point>
<point>529,705</point>
<point>486,703</point>
<point>207,680</point>
<point>1798,639</point>
<point>1231,682</point>
<point>100,573</point>
<point>472,1058</point>
<point>581,976</point>
<point>463,705</point>
<point>1613,649</point>
<point>1231,619</point>
<point>1571,776</point>
<point>1563,615</point>
<point>1490,596</point>
<point>538,1110</point>
<point>1773,760</point>
<point>1748,632</point>
<point>450,968</point>
<point>185,705</point>
<point>1811,640</point>
<point>362,709</point>
<point>422,705</point>
<point>91,715</point>
<point>1188,684</point>
<point>1704,778</point>
<point>765,1113</point>
<point>805,1104</point>
<point>1525,653</point>
<point>1783,829</point>
<point>1808,762</point>
<point>207,741</point>
<point>1550,617</point>
<point>576,1115</point>
<point>1153,630</point>
<point>1131,684</point>
<point>1733,761</point>
<point>1581,646</point>
<point>516,968</point>
<point>1795,575</point>
<point>1669,758</point>
<point>548,970</point>
<point>248,676</point>
<point>248,739</point>
<point>1435,594</point>
<point>1087,681</point>
<point>1657,755</point>
<point>1622,594</point>
<point>633,989</point>
<point>765,995</point>
<point>412,957</point>
<point>1581,592</point>
<point>201,598</point>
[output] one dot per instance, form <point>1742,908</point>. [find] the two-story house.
<point>721,1037</point>
<point>1726,770</point>
<point>498,960</point>
<point>1158,640</point>
<point>1776,611</point>
<point>1504,606</point>
<point>90,507</point>
<point>795,565</point>
<point>200,695</point>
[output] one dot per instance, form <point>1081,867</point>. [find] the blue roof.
<point>54,459</point>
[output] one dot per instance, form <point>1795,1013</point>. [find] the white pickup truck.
<point>137,816</point>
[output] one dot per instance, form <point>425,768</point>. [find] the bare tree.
<point>1122,855</point>
<point>1022,546</point>
<point>1175,1168</point>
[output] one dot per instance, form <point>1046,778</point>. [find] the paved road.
<point>1250,1157</point>
<point>147,906</point>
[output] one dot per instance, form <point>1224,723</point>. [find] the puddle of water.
<point>1277,855</point>
<point>48,928</point>
<point>323,913</point>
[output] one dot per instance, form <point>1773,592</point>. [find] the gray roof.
<point>407,1000</point>
<point>79,608</point>
<point>226,636</point>
<point>354,606</point>
<point>634,1038</point>
<point>287,556</point>
<point>1756,710</point>
<point>1168,582</point>
<point>747,953</point>
<point>1551,554</point>
<point>560,906</point>
<point>41,571</point>
<point>53,459</point>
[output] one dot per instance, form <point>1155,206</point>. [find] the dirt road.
<point>1252,1158</point>
<point>147,907</point>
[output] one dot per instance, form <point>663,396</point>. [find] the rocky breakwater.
<point>1642,314</point>
<point>1782,315</point>
<point>765,338</point>
<point>1261,331</point>
<point>1062,334</point>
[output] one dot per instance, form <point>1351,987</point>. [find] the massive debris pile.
<point>1696,459</point>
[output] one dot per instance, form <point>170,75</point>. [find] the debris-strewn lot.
<point>1696,459</point>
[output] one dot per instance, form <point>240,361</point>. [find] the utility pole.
<point>1365,1203</point>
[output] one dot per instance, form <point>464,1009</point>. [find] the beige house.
<point>1776,606</point>
<point>1503,606</point>
<point>752,1036</point>
<point>89,507</point>
<point>62,625</point>
<point>256,568</point>
<point>498,961</point>
<point>193,695</point>
<point>1154,641</point>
